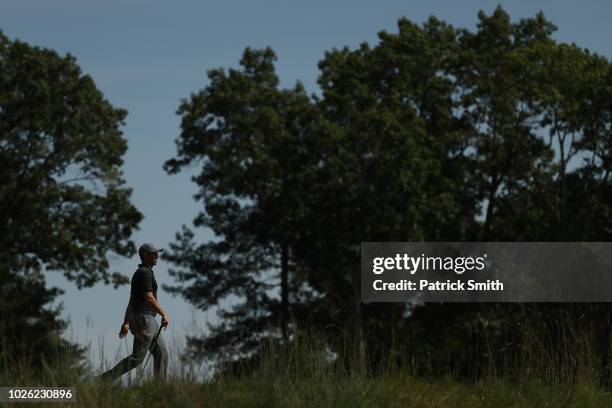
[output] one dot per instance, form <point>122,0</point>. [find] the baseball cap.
<point>148,247</point>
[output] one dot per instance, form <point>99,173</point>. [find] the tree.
<point>538,143</point>
<point>398,173</point>
<point>433,134</point>
<point>253,143</point>
<point>63,203</point>
<point>361,164</point>
<point>30,330</point>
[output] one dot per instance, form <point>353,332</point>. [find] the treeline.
<point>435,133</point>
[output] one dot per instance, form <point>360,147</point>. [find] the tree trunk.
<point>285,289</point>
<point>357,316</point>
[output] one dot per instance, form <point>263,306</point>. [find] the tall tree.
<point>398,172</point>
<point>538,144</point>
<point>63,203</point>
<point>538,126</point>
<point>252,141</point>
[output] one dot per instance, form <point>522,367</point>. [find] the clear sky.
<point>147,55</point>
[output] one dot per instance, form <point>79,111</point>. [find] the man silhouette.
<point>140,319</point>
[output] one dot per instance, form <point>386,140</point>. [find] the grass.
<point>396,391</point>
<point>304,375</point>
<point>386,391</point>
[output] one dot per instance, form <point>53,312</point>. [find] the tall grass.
<point>313,371</point>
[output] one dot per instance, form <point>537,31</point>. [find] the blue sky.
<point>147,55</point>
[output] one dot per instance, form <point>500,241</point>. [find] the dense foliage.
<point>433,134</point>
<point>63,202</point>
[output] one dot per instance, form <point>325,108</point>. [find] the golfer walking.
<point>140,319</point>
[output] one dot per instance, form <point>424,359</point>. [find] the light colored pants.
<point>144,328</point>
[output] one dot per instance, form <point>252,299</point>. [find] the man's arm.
<point>126,319</point>
<point>128,311</point>
<point>150,298</point>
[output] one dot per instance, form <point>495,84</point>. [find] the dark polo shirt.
<point>143,281</point>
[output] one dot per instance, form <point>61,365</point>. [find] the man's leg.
<point>160,359</point>
<point>139,351</point>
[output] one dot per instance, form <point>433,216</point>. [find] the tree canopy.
<point>433,134</point>
<point>64,205</point>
